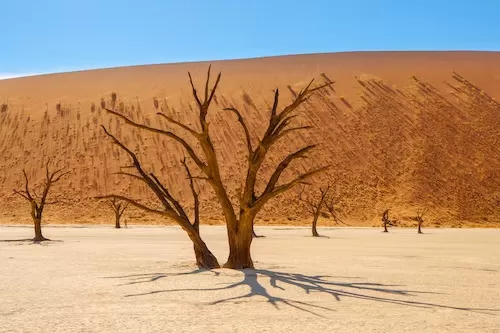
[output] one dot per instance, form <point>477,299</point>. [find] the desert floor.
<point>142,279</point>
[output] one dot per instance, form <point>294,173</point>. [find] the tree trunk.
<point>117,220</point>
<point>38,230</point>
<point>254,235</point>
<point>204,258</point>
<point>240,242</point>
<point>419,229</point>
<point>385,227</point>
<point>315,222</point>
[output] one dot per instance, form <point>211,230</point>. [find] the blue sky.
<point>61,35</point>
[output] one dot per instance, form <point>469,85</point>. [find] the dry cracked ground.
<point>142,279</point>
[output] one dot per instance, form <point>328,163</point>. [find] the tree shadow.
<point>319,236</point>
<point>320,284</point>
<point>30,240</point>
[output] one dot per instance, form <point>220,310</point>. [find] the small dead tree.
<point>239,222</point>
<point>386,221</point>
<point>119,208</point>
<point>39,201</point>
<point>419,218</point>
<point>172,208</point>
<point>317,204</point>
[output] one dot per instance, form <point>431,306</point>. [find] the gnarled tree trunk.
<point>240,242</point>
<point>204,258</point>
<point>38,230</point>
<point>36,215</point>
<point>239,251</point>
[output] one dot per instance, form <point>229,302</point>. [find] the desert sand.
<point>142,279</point>
<point>400,128</point>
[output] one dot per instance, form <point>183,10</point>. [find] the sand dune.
<point>400,128</point>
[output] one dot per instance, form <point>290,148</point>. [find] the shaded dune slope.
<point>403,130</point>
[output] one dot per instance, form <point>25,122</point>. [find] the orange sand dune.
<point>401,130</point>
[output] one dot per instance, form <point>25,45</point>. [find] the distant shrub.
<point>4,107</point>
<point>114,97</point>
<point>121,107</point>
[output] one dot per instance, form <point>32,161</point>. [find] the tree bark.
<point>204,258</point>
<point>117,220</point>
<point>314,223</point>
<point>38,230</point>
<point>419,229</point>
<point>254,235</point>
<point>240,241</point>
<point>385,227</point>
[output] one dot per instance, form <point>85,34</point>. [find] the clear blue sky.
<point>40,36</point>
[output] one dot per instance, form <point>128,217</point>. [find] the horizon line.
<point>9,75</point>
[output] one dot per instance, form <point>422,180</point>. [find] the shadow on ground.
<point>255,280</point>
<point>30,240</point>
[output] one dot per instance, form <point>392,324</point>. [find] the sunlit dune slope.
<point>402,130</point>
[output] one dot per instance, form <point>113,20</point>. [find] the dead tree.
<point>172,208</point>
<point>386,221</point>
<point>39,201</point>
<point>419,218</point>
<point>316,205</point>
<point>239,222</point>
<point>119,208</point>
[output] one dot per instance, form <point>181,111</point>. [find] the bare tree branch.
<point>285,187</point>
<point>177,138</point>
<point>212,93</point>
<point>149,181</point>
<point>181,125</point>
<point>128,175</point>
<point>330,206</point>
<point>283,165</point>
<point>245,128</point>
<point>195,194</point>
<point>170,198</point>
<point>137,204</point>
<point>123,208</point>
<point>27,191</point>
<point>310,204</point>
<point>289,130</point>
<point>22,194</point>
<point>195,93</point>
